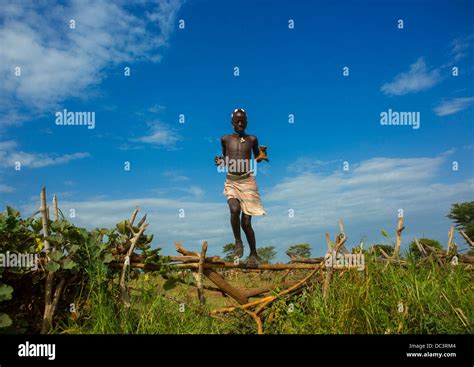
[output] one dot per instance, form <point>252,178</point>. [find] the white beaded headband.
<point>236,110</point>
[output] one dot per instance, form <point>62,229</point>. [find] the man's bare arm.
<point>255,148</point>
<point>223,146</point>
<point>219,160</point>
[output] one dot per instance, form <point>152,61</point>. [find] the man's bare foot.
<point>238,249</point>
<point>252,261</point>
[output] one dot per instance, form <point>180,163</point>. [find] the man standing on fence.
<point>240,186</point>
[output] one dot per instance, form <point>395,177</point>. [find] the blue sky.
<point>282,71</point>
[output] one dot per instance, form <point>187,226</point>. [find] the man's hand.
<point>263,154</point>
<point>219,160</point>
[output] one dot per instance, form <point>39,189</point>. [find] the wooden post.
<point>45,216</point>
<point>199,279</point>
<point>55,208</point>
<point>450,239</point>
<point>400,228</point>
<point>328,275</point>
<point>49,286</point>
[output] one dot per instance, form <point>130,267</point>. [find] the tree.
<point>463,216</point>
<point>266,254</point>
<point>228,251</point>
<point>424,241</point>
<point>301,250</point>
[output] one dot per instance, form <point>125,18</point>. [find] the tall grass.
<point>413,300</point>
<point>423,300</point>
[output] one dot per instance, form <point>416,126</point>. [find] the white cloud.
<point>305,164</point>
<point>5,188</point>
<point>418,78</point>
<point>195,191</point>
<point>175,176</point>
<point>58,62</point>
<point>159,135</point>
<point>453,105</point>
<point>9,155</point>
<point>460,47</point>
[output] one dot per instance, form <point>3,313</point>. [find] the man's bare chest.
<point>238,145</point>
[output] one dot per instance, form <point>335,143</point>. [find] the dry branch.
<point>200,273</point>
<point>268,299</point>
<point>275,267</point>
<point>49,287</point>
<point>183,251</point>
<point>450,239</point>
<point>220,282</point>
<point>420,248</point>
<point>286,291</point>
<point>400,228</point>
<point>124,295</point>
<point>466,237</point>
<point>134,215</point>
<point>55,208</point>
<point>258,321</point>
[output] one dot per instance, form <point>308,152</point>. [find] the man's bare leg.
<point>234,206</point>
<point>246,222</point>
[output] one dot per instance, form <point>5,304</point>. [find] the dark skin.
<point>234,148</point>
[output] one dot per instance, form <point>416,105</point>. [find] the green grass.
<point>424,300</point>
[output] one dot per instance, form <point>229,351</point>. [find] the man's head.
<point>239,120</point>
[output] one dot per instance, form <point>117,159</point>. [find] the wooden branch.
<point>134,215</point>
<point>55,208</point>
<point>57,295</point>
<point>450,239</point>
<point>240,307</point>
<point>327,282</point>
<point>306,260</point>
<point>275,267</point>
<point>220,282</point>
<point>200,273</point>
<point>328,241</point>
<point>48,302</point>
<point>466,237</point>
<point>182,251</point>
<point>384,253</point>
<point>225,265</point>
<point>400,228</point>
<point>124,295</point>
<point>141,221</point>
<point>182,259</point>
<point>206,287</point>
<point>340,240</point>
<point>44,216</point>
<point>268,299</point>
<point>49,286</point>
<point>286,291</point>
<point>257,320</point>
<point>420,248</point>
<point>253,292</point>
